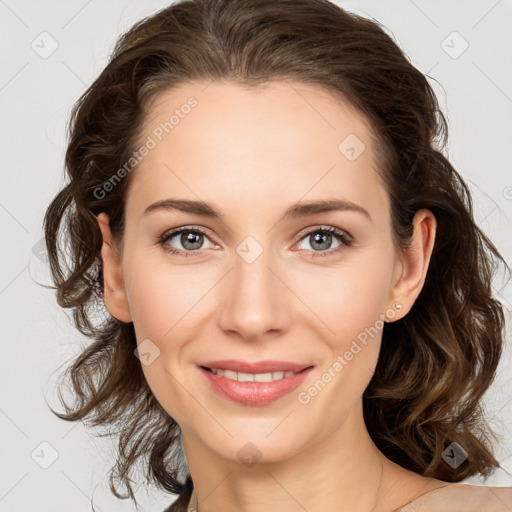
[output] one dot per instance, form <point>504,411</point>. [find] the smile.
<point>252,388</point>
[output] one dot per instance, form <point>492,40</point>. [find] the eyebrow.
<point>296,210</point>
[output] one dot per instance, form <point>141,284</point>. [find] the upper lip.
<point>237,365</point>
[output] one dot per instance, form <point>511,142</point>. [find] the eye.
<point>191,241</point>
<point>321,239</point>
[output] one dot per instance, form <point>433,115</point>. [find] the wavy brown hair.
<point>435,364</point>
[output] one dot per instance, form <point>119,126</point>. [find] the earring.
<point>391,313</point>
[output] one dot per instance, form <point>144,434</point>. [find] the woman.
<point>298,298</point>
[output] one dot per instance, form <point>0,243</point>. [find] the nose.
<point>255,302</point>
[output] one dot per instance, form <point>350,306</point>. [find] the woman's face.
<point>256,283</point>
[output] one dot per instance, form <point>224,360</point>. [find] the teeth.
<point>252,377</point>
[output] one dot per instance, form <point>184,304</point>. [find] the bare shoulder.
<point>463,498</point>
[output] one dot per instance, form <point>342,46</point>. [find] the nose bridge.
<point>253,302</point>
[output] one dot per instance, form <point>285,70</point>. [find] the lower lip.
<point>255,393</point>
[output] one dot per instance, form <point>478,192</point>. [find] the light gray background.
<point>36,95</point>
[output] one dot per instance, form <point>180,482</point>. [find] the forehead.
<point>235,144</point>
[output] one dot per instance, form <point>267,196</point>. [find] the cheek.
<point>163,299</point>
<point>349,299</point>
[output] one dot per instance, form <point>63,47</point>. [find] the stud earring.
<point>392,312</point>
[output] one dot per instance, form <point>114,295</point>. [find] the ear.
<point>114,292</point>
<point>412,269</point>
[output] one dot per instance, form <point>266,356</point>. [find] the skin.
<point>253,153</point>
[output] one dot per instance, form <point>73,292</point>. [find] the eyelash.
<point>345,239</point>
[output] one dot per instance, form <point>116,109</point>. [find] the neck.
<point>343,471</point>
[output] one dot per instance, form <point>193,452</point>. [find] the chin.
<point>257,441</point>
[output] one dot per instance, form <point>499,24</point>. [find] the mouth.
<point>254,387</point>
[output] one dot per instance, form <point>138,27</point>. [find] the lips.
<point>254,393</point>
